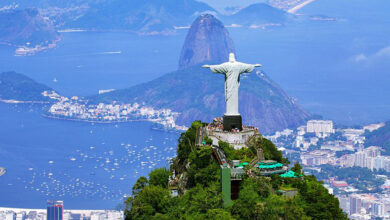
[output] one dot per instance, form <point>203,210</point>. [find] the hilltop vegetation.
<point>197,176</point>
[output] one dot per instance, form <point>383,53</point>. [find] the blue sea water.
<point>85,62</point>
<point>88,166</point>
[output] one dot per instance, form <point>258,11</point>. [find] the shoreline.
<point>29,51</point>
<point>153,125</point>
<point>92,121</point>
<point>13,101</point>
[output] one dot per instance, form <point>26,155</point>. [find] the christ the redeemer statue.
<point>232,71</point>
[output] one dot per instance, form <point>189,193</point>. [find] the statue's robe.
<point>232,71</point>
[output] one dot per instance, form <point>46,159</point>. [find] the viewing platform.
<point>234,137</point>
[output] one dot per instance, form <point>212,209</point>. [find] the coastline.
<point>92,121</point>
<point>155,125</point>
<point>13,101</point>
<point>24,51</point>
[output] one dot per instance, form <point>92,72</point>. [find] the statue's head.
<point>232,58</point>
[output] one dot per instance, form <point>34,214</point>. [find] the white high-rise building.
<point>360,159</point>
<point>319,126</point>
<point>10,216</point>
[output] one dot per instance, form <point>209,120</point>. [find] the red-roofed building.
<point>339,184</point>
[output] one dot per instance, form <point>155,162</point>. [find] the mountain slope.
<point>258,14</point>
<point>380,137</point>
<point>140,16</point>
<point>207,40</point>
<point>25,27</point>
<point>15,86</point>
<point>198,94</point>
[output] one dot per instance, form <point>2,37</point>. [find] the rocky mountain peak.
<point>207,41</point>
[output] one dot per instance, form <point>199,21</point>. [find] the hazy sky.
<point>221,4</point>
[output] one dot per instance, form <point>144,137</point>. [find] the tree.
<point>274,208</point>
<point>187,141</point>
<point>319,204</point>
<point>159,177</point>
<point>201,199</point>
<point>244,206</point>
<point>294,210</point>
<point>203,169</point>
<point>218,214</point>
<point>139,185</point>
<point>149,201</point>
<point>297,168</point>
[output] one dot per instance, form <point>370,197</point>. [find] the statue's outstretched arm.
<point>257,65</point>
<point>206,66</point>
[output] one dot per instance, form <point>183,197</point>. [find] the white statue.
<point>232,71</point>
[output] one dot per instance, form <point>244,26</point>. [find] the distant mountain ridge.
<point>206,41</point>
<point>16,86</point>
<point>26,28</point>
<point>258,14</point>
<point>143,17</point>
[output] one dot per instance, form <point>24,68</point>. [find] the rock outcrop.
<point>206,41</point>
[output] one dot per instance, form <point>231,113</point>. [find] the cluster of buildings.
<point>366,206</point>
<point>75,108</point>
<point>370,158</point>
<point>319,142</point>
<point>55,211</point>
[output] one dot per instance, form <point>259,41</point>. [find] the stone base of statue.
<point>232,122</point>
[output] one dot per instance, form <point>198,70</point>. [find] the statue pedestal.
<point>232,122</point>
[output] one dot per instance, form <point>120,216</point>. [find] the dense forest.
<point>197,176</point>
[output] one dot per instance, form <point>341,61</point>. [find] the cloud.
<point>359,58</point>
<point>380,54</point>
<point>384,52</point>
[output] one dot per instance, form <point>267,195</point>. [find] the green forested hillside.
<point>197,177</point>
